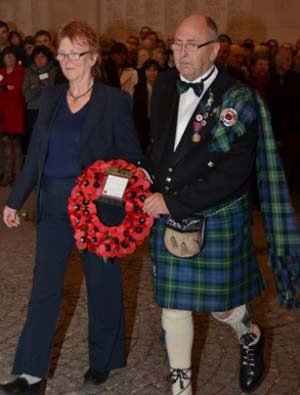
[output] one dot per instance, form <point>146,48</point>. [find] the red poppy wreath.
<point>90,232</point>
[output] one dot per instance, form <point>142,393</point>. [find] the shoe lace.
<point>248,360</point>
<point>181,375</point>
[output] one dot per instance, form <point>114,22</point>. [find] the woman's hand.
<point>155,205</point>
<point>11,217</point>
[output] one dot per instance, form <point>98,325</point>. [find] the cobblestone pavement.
<point>216,351</point>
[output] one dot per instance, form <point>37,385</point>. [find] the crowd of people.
<point>29,64</point>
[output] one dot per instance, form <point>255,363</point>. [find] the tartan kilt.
<point>224,275</point>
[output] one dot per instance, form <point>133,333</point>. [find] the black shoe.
<point>93,377</point>
<point>20,386</point>
<point>252,362</point>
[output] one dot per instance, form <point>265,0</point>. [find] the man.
<point>144,30</point>
<point>236,62</point>
<point>204,136</point>
<point>150,40</point>
<point>43,37</point>
<point>224,42</point>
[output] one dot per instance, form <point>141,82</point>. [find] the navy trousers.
<point>55,241</point>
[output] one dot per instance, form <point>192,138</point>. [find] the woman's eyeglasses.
<point>71,56</point>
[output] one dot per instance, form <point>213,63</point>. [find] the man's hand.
<point>155,205</point>
<point>11,217</point>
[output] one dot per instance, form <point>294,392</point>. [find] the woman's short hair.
<point>151,62</point>
<point>43,50</point>
<point>15,33</point>
<point>148,63</point>
<point>80,32</point>
<point>10,50</point>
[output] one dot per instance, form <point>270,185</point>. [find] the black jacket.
<point>193,178</point>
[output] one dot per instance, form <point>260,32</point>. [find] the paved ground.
<point>216,352</point>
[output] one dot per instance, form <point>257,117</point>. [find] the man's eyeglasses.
<point>189,46</point>
<point>71,56</point>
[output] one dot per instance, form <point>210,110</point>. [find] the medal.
<point>229,116</point>
<point>196,138</point>
<point>199,117</point>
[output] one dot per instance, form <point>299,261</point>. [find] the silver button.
<point>200,179</point>
<point>167,188</point>
<point>210,164</point>
<point>170,169</point>
<point>168,179</point>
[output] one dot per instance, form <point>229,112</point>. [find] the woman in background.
<point>142,100</point>
<point>38,76</point>
<point>11,115</point>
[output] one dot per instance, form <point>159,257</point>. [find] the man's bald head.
<point>195,46</point>
<point>205,24</point>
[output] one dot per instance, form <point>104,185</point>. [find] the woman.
<point>16,41</point>
<point>28,48</point>
<point>128,75</point>
<point>78,123</point>
<point>39,75</point>
<point>142,100</point>
<point>259,76</point>
<point>11,115</point>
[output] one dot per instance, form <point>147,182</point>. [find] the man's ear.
<point>215,50</point>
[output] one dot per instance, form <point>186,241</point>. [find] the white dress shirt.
<point>188,102</point>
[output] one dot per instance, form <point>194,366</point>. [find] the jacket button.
<point>200,179</point>
<point>210,164</point>
<point>168,179</point>
<point>175,193</point>
<point>170,169</point>
<point>167,188</point>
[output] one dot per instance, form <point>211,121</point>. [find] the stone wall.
<point>240,18</point>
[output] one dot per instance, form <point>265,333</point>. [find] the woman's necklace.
<point>75,98</point>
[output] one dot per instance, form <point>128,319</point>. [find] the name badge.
<point>115,186</point>
<point>1,77</point>
<point>43,76</point>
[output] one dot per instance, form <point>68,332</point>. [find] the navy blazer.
<point>108,133</point>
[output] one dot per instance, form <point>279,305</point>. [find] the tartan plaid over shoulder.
<point>282,231</point>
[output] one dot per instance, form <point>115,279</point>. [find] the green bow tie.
<point>197,87</point>
<point>183,86</point>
